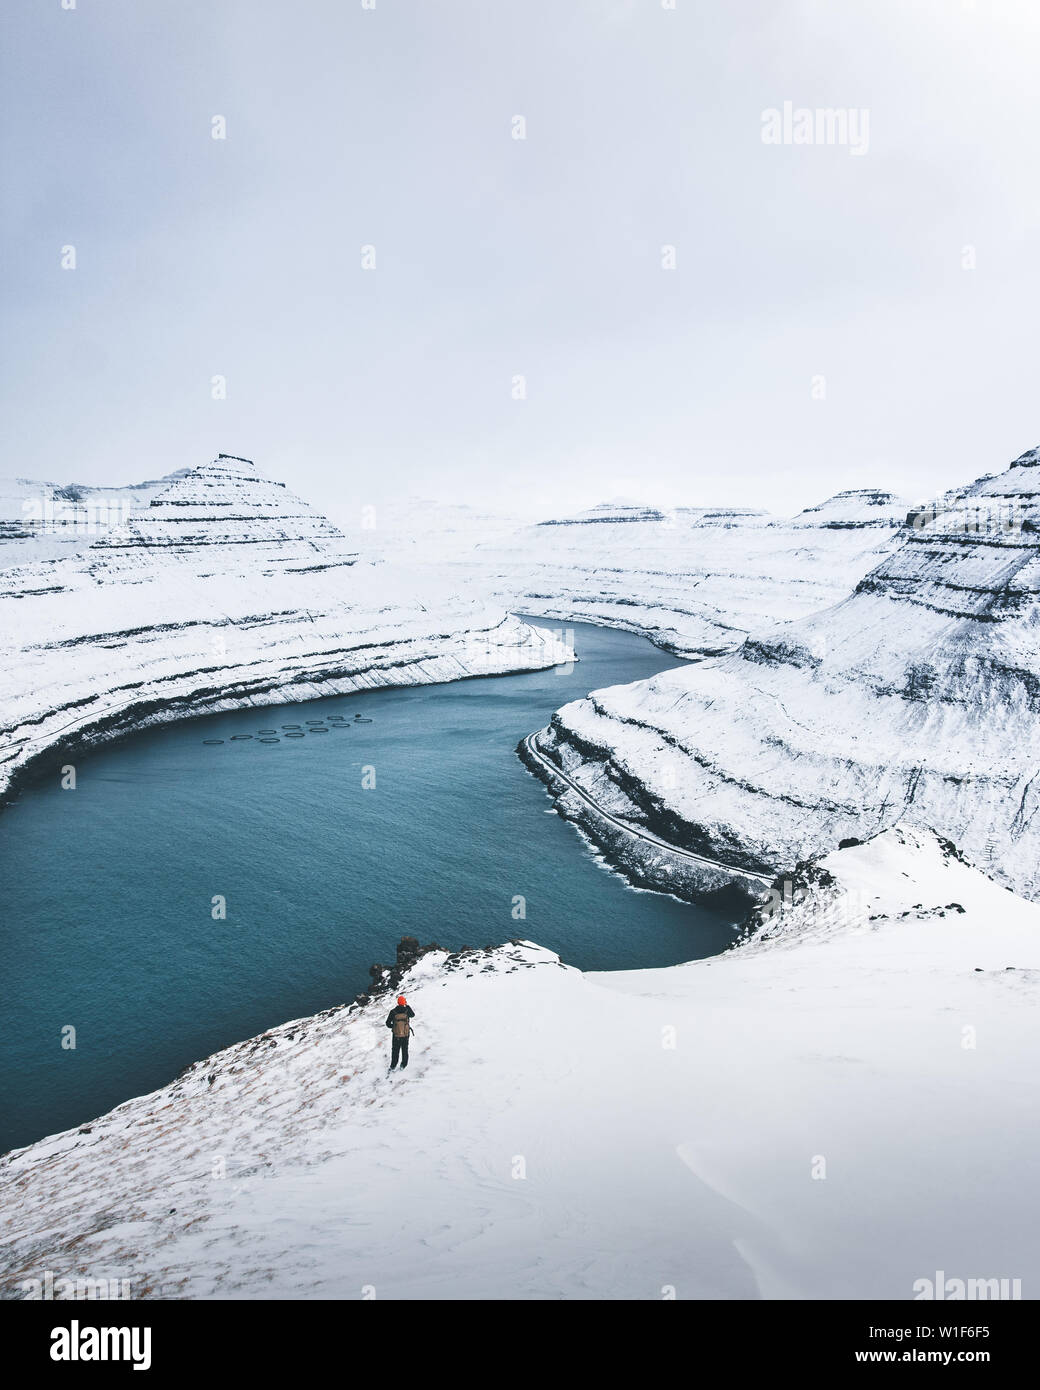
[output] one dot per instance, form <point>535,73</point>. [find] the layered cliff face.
<point>42,520</point>
<point>861,509</point>
<point>917,695</point>
<point>226,518</point>
<point>225,590</point>
<point>695,580</point>
<point>505,1165</point>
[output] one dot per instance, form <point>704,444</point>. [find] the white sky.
<point>540,257</point>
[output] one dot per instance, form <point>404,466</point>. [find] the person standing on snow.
<point>397,1022</point>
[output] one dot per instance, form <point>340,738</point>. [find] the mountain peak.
<point>217,482</point>
<point>855,508</point>
<point>1030,459</point>
<point>221,507</point>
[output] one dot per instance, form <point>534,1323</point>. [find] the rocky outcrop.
<point>917,695</point>
<point>224,591</point>
<point>387,980</point>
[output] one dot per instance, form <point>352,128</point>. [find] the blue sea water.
<point>108,889</point>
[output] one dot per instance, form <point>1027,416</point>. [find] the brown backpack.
<point>401,1029</point>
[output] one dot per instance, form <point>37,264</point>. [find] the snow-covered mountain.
<point>42,520</point>
<point>695,580</point>
<point>862,508</point>
<point>836,1109</point>
<point>918,694</point>
<point>225,590</point>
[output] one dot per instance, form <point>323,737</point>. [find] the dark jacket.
<point>397,1011</point>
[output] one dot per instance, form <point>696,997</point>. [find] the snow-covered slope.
<point>863,508</point>
<point>226,590</point>
<point>42,520</point>
<point>695,580</point>
<point>919,693</point>
<point>837,1109</point>
<point>421,532</point>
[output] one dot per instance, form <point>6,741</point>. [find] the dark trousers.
<point>400,1049</point>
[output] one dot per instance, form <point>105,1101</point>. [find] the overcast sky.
<point>540,258</point>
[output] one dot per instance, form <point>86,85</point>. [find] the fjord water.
<point>108,889</point>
